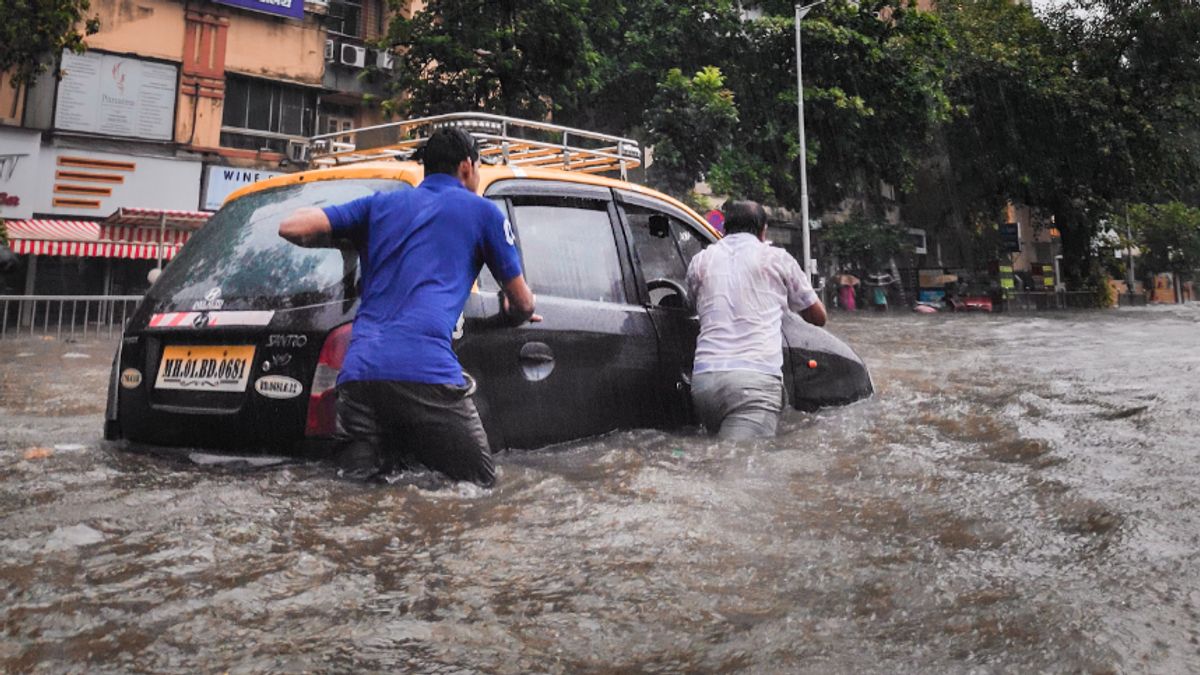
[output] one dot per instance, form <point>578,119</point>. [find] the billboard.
<point>116,96</point>
<point>293,9</point>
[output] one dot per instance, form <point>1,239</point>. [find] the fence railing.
<point>1052,300</point>
<point>70,315</point>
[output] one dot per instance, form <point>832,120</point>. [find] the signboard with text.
<point>19,155</point>
<point>117,96</point>
<point>222,181</point>
<point>293,9</point>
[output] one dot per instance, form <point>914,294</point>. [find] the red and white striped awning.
<point>179,220</point>
<point>84,238</point>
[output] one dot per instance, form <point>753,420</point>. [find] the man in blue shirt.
<point>401,391</point>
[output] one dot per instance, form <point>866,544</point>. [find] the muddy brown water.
<point>1020,496</point>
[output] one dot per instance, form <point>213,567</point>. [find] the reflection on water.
<point>1020,496</point>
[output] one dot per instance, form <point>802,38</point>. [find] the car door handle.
<point>537,361</point>
<point>537,352</point>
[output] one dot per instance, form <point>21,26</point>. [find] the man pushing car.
<point>401,391</point>
<point>742,286</point>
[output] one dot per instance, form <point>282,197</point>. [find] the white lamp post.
<point>800,12</point>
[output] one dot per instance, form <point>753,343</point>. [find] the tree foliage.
<point>511,57</point>
<point>30,30</point>
<point>689,122</point>
<point>873,95</point>
<point>1089,105</point>
<point>863,243</point>
<point>1168,236</point>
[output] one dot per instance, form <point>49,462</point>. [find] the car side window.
<point>487,283</point>
<point>568,248</point>
<point>690,243</point>
<point>654,237</point>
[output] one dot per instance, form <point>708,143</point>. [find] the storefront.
<point>109,257</point>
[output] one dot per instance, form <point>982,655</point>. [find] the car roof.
<point>413,173</point>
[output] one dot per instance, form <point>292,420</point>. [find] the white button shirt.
<point>741,286</point>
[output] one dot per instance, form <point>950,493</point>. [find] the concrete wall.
<point>277,49</point>
<point>149,28</point>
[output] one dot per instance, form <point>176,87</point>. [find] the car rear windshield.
<point>239,251</point>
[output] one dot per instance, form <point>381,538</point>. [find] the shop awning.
<point>128,233</point>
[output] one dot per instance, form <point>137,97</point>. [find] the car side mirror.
<point>660,227</point>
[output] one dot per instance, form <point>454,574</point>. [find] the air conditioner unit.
<point>298,151</point>
<point>385,59</point>
<point>354,56</point>
<point>330,48</point>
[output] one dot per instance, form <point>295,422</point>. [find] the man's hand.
<point>307,226</point>
<point>515,319</point>
<point>517,302</point>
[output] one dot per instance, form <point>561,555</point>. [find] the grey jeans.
<point>738,404</point>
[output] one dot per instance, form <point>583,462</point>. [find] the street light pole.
<point>800,12</point>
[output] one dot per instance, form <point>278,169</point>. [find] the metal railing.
<point>502,140</point>
<point>72,315</point>
<point>1044,300</point>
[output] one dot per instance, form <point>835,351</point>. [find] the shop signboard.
<point>72,182</point>
<point>293,9</point>
<point>116,96</point>
<point>19,153</point>
<point>222,181</point>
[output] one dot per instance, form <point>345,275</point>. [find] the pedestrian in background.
<point>846,288</point>
<point>401,392</point>
<point>742,286</point>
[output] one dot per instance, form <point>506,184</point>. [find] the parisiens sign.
<point>115,95</point>
<point>289,8</point>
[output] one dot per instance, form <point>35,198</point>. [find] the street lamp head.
<point>802,11</point>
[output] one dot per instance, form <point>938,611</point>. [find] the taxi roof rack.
<point>502,140</point>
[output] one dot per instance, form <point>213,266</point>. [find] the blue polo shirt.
<point>420,252</point>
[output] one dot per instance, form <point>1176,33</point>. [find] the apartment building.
<point>106,169</point>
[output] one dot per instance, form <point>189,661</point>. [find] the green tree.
<point>511,57</point>
<point>1071,113</point>
<point>864,243</point>
<point>873,93</point>
<point>1168,236</point>
<point>30,30</point>
<point>689,122</point>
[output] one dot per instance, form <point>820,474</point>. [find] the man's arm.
<point>307,226</point>
<point>815,314</point>
<point>517,303</point>
<point>801,296</point>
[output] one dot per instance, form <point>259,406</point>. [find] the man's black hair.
<point>446,148</point>
<point>745,216</point>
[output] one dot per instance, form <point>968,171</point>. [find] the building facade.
<point>176,104</point>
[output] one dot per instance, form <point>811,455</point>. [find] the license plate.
<point>205,368</point>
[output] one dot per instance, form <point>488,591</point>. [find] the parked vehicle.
<point>239,343</point>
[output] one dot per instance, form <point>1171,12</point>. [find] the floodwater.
<point>1020,496</point>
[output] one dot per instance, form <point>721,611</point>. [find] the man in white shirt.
<point>741,287</point>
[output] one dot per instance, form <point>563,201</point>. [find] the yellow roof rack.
<point>502,140</point>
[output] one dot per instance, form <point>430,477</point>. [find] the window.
<point>654,243</point>
<point>345,17</point>
<point>664,246</point>
<point>275,110</point>
<point>568,248</point>
<point>487,283</point>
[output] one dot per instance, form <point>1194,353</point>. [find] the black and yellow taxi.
<point>239,343</point>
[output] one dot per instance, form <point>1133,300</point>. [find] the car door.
<point>663,240</point>
<point>591,365</point>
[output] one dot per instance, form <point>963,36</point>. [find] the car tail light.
<point>322,402</point>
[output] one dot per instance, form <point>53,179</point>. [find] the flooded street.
<point>1021,495</point>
